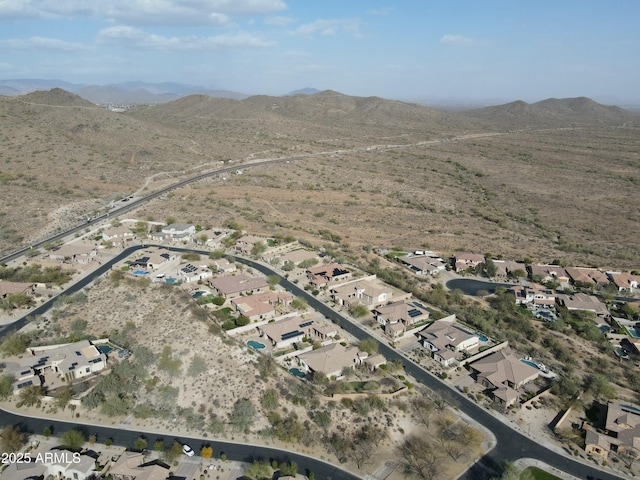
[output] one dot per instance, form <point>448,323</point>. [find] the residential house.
<point>179,231</point>
<point>395,330</point>
<point>225,266</point>
<point>74,254</point>
<point>63,464</point>
<point>210,238</point>
<point>446,341</point>
<point>423,264</point>
<point>261,306</point>
<point>331,360</point>
<point>132,466</point>
<point>621,432</point>
<point>503,374</point>
<point>245,245</point>
<point>464,261</point>
<point>624,281</point>
<point>15,288</point>
<point>375,361</point>
<point>324,332</point>
<point>191,273</point>
<point>236,285</point>
<point>587,276</point>
<point>584,302</point>
<point>286,332</point>
<point>548,273</point>
<point>406,312</point>
<point>71,361</point>
<point>324,275</point>
<point>364,292</point>
<point>507,269</point>
<point>118,236</point>
<point>295,257</point>
<point>153,259</point>
<point>534,295</point>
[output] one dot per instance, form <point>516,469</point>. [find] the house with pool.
<point>287,331</point>
<point>331,360</point>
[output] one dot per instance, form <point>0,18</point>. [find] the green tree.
<point>216,254</point>
<point>141,443</point>
<point>258,471</point>
<point>420,459</point>
<point>599,386</point>
<point>258,249</point>
<point>14,344</point>
<point>30,396</point>
<point>63,396</point>
<point>158,445</point>
<point>72,439</point>
<point>369,345</point>
<point>242,415</point>
<point>299,304</point>
<point>270,399</point>
<point>490,267</point>
<point>12,438</point>
<point>6,386</point>
<point>47,432</point>
<point>273,280</point>
<point>289,469</point>
<point>197,366</point>
<point>215,425</point>
<point>266,365</point>
<point>359,310</point>
<point>173,452</point>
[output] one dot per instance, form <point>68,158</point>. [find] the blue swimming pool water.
<point>297,372</point>
<point>140,272</point>
<point>531,364</point>
<point>483,338</point>
<point>634,332</point>
<point>170,280</point>
<point>104,348</point>
<point>198,294</point>
<point>631,409</point>
<point>255,345</point>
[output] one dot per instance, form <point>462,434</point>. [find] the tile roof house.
<point>261,306</point>
<point>508,268</point>
<point>423,264</point>
<point>295,256</point>
<point>502,369</point>
<point>364,292</point>
<point>622,431</point>
<point>236,285</point>
<point>323,275</point>
<point>75,254</point>
<point>55,462</point>
<point>587,276</point>
<point>225,266</point>
<point>547,273</point>
<point>536,295</point>
<point>132,466</point>
<point>446,341</point>
<point>406,312</point>
<point>179,231</point>
<point>624,281</point>
<point>153,259</point>
<point>286,332</point>
<point>464,261</point>
<point>331,360</point>
<point>118,235</point>
<point>245,244</point>
<point>15,288</point>
<point>582,301</point>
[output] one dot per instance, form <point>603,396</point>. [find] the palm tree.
<point>30,396</point>
<point>12,438</point>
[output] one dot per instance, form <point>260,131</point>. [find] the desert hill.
<point>459,181</point>
<point>553,112</point>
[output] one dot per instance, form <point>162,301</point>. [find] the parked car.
<point>187,450</point>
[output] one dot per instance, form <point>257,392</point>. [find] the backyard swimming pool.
<point>255,345</point>
<point>198,294</point>
<point>482,338</point>
<point>531,364</point>
<point>140,272</point>
<point>170,280</point>
<point>297,372</point>
<point>104,348</point>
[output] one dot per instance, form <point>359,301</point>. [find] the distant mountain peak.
<point>305,91</point>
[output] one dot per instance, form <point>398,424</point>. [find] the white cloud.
<point>40,43</point>
<point>329,27</point>
<point>136,38</point>
<point>458,41</point>
<point>184,12</point>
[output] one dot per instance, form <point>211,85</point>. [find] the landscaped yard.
<point>535,473</point>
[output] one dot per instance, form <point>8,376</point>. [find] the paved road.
<point>470,286</point>
<point>511,445</point>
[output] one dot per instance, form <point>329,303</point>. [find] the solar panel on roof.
<point>306,324</point>
<point>289,335</point>
<point>414,312</point>
<point>25,384</point>
<point>165,256</point>
<point>143,260</point>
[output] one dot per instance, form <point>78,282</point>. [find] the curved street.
<point>511,445</point>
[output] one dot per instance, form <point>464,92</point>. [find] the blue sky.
<point>412,49</point>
